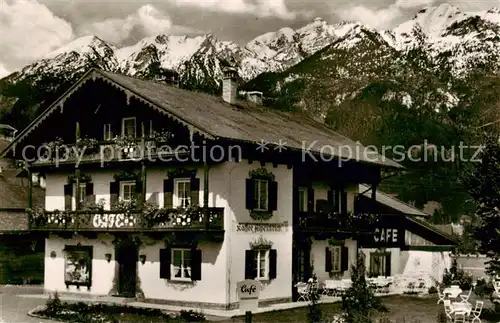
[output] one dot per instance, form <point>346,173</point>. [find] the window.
<point>78,265</point>
<point>262,264</point>
<point>127,190</point>
<point>181,264</point>
<point>261,195</point>
<point>108,135</point>
<point>303,199</point>
<point>128,127</point>
<point>336,259</point>
<point>380,263</point>
<point>182,192</point>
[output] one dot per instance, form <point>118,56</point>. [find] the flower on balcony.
<point>37,215</point>
<point>125,206</point>
<point>153,214</point>
<point>184,216</point>
<point>125,141</point>
<point>161,136</point>
<point>92,206</point>
<point>87,143</point>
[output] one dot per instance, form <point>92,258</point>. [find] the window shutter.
<point>138,192</point>
<point>250,269</point>
<point>273,196</point>
<point>344,259</point>
<point>68,195</point>
<point>250,200</point>
<point>168,189</point>
<point>295,201</point>
<point>195,191</point>
<point>328,260</point>
<point>273,263</point>
<point>195,264</point>
<point>165,263</point>
<point>114,192</point>
<point>330,198</point>
<point>89,192</point>
<point>310,202</point>
<point>344,202</point>
<point>336,201</point>
<point>388,265</point>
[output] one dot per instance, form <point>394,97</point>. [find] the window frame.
<point>122,190</point>
<point>107,135</point>
<point>257,194</point>
<point>257,261</point>
<point>336,250</point>
<point>176,199</point>
<point>135,125</point>
<point>304,206</point>
<point>181,267</point>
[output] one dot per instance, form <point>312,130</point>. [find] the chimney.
<point>255,97</point>
<point>229,85</point>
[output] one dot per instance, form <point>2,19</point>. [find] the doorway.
<point>127,256</point>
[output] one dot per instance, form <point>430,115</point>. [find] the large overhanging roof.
<point>215,119</point>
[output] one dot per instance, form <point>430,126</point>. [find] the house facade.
<point>404,243</point>
<point>173,196</point>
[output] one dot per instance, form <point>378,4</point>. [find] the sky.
<point>29,29</point>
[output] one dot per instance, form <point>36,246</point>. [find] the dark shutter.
<point>165,263</point>
<point>388,265</point>
<point>138,192</point>
<point>195,191</point>
<point>168,189</point>
<point>328,260</point>
<point>273,263</point>
<point>89,192</point>
<point>336,201</point>
<point>273,196</point>
<point>344,259</point>
<point>68,196</point>
<point>114,192</point>
<point>310,202</point>
<point>195,264</point>
<point>330,198</point>
<point>250,199</point>
<point>344,202</point>
<point>250,268</point>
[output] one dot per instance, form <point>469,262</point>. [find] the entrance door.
<point>126,256</point>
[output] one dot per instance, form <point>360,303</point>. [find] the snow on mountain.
<point>443,32</point>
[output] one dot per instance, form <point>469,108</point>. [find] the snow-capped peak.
<point>81,45</point>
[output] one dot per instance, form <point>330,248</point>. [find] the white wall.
<point>318,259</point>
<point>427,263</point>
<point>102,271</point>
<point>238,241</point>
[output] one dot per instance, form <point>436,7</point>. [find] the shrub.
<point>441,316</point>
<point>432,290</point>
<point>192,316</point>
<point>359,300</point>
<point>54,304</point>
<point>314,314</point>
<point>456,276</point>
<point>484,288</point>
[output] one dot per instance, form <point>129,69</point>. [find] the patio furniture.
<point>330,287</point>
<point>465,298</point>
<point>476,312</point>
<point>460,317</point>
<point>303,290</point>
<point>447,309</point>
<point>452,291</point>
<point>441,296</point>
<point>459,307</point>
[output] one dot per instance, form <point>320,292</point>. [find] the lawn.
<point>407,309</point>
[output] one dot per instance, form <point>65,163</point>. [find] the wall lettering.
<point>262,227</point>
<point>112,220</point>
<point>386,235</point>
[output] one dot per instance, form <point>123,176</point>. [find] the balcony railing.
<point>201,219</point>
<point>336,222</point>
<point>109,151</point>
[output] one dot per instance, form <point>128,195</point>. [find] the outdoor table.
<point>452,292</point>
<point>461,307</point>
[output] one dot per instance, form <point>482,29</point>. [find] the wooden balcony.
<point>110,151</point>
<point>202,219</point>
<point>349,223</point>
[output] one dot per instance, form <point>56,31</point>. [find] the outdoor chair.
<point>460,317</point>
<point>447,309</point>
<point>465,298</point>
<point>476,312</point>
<point>303,290</point>
<point>330,287</point>
<point>441,295</point>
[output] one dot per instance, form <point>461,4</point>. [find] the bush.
<point>456,276</point>
<point>484,288</point>
<point>314,314</point>
<point>54,304</point>
<point>433,290</point>
<point>359,301</point>
<point>441,316</point>
<point>192,316</point>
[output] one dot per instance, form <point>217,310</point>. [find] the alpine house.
<point>173,196</point>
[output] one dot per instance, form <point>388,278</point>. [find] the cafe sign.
<point>248,289</point>
<point>386,235</point>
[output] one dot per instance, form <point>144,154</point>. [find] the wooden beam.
<point>30,186</point>
<point>77,189</point>
<point>77,131</point>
